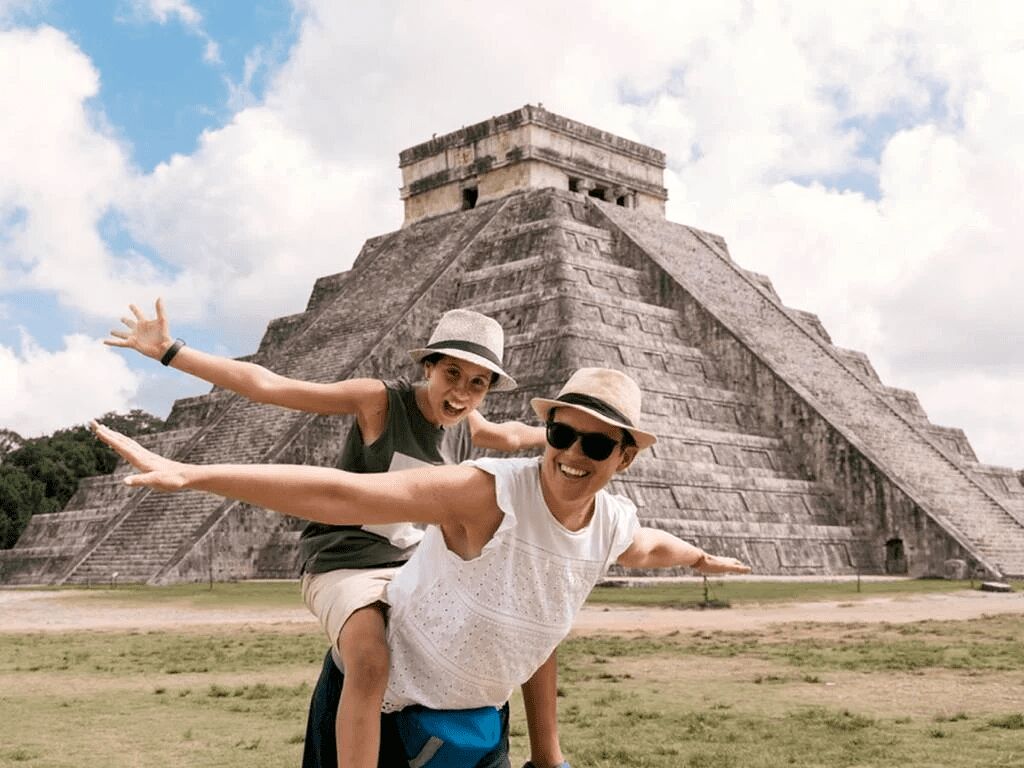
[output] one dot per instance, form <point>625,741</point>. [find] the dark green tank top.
<point>408,440</point>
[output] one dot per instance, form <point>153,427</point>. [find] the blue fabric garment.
<point>320,749</point>
<point>450,738</point>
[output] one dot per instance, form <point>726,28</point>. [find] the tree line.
<point>39,475</point>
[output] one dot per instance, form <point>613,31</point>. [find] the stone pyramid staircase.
<point>568,298</point>
<point>159,538</point>
<point>922,464</point>
<point>776,446</point>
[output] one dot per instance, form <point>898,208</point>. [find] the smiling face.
<point>454,388</point>
<point>569,477</point>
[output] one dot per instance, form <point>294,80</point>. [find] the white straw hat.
<point>472,337</point>
<point>608,395</point>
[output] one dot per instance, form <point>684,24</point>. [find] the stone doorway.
<point>895,557</point>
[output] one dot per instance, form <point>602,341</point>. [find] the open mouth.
<point>452,410</point>
<point>572,472</point>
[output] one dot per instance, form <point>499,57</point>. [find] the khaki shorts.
<point>335,595</point>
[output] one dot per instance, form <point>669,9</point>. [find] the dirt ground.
<point>61,611</point>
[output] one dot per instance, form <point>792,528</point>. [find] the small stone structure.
<point>530,148</point>
<point>775,446</point>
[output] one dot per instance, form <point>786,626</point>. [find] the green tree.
<point>41,475</point>
<point>20,498</point>
<point>134,423</point>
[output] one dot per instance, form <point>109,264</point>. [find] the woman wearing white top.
<point>487,515</point>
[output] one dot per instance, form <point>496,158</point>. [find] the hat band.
<point>600,406</point>
<point>467,346</point>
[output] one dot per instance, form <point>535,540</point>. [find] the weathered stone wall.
<point>238,541</point>
<point>868,500</point>
<point>50,542</point>
<point>247,543</point>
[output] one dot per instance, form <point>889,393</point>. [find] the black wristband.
<point>171,352</point>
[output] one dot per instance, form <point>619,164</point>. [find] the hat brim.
<point>542,406</point>
<point>504,382</point>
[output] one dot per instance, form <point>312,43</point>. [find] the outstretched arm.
<point>152,337</point>
<point>653,548</point>
<point>504,436</point>
<point>448,496</point>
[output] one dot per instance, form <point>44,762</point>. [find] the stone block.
<point>955,569</point>
<point>995,586</point>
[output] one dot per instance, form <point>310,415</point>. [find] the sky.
<point>868,157</point>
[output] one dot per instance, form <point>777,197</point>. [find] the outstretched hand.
<point>155,471</point>
<point>150,336</point>
<point>712,564</point>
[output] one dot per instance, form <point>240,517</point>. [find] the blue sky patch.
<point>156,89</point>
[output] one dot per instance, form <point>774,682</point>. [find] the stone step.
<point>795,511</point>
<point>580,326</point>
<point>662,499</point>
<point>730,449</point>
<point>1003,482</point>
<point>722,481</point>
<point>701,473</point>
<point>907,402</point>
<point>778,531</point>
<point>572,230</point>
<point>547,269</point>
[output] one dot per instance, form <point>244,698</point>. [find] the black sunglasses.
<point>595,445</point>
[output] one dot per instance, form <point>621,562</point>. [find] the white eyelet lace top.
<point>464,634</point>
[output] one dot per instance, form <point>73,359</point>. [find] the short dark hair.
<point>627,436</point>
<point>435,358</point>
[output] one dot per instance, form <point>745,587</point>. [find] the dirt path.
<point>62,611</point>
<point>950,606</point>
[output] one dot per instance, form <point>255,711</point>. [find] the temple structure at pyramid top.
<point>530,148</point>
<point>774,445</point>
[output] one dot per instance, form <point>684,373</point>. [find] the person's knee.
<point>367,666</point>
<point>364,650</point>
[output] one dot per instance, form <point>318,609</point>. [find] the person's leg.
<point>320,749</point>
<point>364,655</point>
<point>499,757</point>
<point>350,605</point>
<point>392,751</point>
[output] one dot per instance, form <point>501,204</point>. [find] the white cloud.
<point>241,94</point>
<point>766,111</point>
<point>61,171</point>
<point>41,391</point>
<point>926,278</point>
<point>253,217</point>
<point>163,11</point>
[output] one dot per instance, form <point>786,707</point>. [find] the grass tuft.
<point>1014,722</point>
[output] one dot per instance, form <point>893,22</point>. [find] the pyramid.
<point>775,446</point>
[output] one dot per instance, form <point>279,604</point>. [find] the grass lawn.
<point>909,695</point>
<point>238,594</point>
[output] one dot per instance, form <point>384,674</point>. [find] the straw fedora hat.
<point>472,337</point>
<point>608,395</point>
